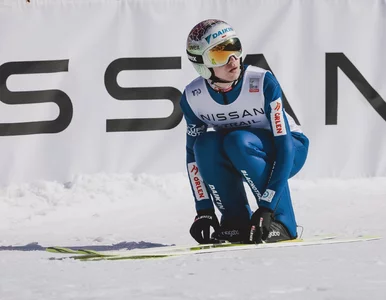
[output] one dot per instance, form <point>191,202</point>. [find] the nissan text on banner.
<point>94,86</point>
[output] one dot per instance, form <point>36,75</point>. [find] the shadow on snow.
<point>120,246</point>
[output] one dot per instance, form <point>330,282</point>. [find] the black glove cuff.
<point>205,212</point>
<point>265,210</point>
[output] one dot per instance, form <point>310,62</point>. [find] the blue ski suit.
<point>243,135</point>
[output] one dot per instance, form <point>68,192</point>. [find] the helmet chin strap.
<point>215,79</point>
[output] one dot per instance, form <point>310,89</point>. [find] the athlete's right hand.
<point>200,229</point>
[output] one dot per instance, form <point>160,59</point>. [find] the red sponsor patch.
<point>197,183</point>
<point>278,123</point>
<point>277,118</point>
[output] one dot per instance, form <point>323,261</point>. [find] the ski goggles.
<point>219,54</point>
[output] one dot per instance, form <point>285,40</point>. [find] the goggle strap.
<point>195,58</point>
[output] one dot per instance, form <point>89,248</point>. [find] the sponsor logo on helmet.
<point>192,58</point>
<point>194,47</point>
<point>218,33</point>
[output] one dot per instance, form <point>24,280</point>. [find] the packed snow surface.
<point>104,210</point>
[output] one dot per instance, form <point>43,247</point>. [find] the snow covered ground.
<point>108,209</point>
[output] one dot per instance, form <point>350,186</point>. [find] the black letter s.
<point>26,97</point>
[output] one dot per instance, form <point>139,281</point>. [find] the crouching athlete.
<point>238,131</point>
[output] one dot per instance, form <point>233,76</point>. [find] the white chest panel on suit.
<point>246,111</point>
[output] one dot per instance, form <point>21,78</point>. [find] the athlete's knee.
<point>301,152</point>
<point>305,141</point>
<point>243,142</point>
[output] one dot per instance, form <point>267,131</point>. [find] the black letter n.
<point>339,60</point>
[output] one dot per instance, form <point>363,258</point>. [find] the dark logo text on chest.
<point>233,115</point>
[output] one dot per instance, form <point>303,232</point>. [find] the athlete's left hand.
<point>260,223</point>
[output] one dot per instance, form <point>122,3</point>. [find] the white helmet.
<point>210,44</point>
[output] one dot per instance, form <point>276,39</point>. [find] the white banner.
<point>75,77</point>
